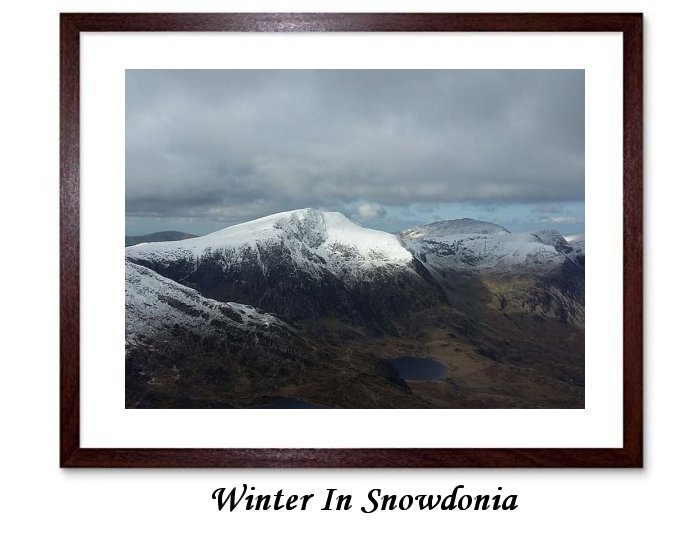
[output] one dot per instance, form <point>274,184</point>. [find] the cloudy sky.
<point>389,148</point>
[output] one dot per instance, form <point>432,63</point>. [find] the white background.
<point>105,422</point>
<point>40,501</point>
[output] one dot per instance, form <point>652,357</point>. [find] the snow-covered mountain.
<point>483,246</point>
<point>537,273</point>
<point>453,227</point>
<point>313,239</point>
<point>298,264</point>
<point>307,263</point>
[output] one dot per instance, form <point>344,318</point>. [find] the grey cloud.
<point>235,144</point>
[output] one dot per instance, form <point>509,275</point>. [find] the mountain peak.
<point>308,234</point>
<point>551,237</point>
<point>453,227</point>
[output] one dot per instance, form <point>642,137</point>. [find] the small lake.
<point>416,368</point>
<point>279,402</point>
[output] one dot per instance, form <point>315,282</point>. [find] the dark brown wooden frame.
<point>71,453</point>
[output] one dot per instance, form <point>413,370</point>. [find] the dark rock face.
<point>565,292</point>
<point>273,280</point>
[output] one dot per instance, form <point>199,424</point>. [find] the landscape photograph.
<point>357,239</point>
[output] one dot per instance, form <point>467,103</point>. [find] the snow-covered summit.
<point>553,238</point>
<point>479,245</point>
<point>453,227</point>
<point>308,235</point>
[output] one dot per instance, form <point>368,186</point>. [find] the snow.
<point>154,303</point>
<point>319,242</point>
<point>371,244</point>
<point>484,246</point>
<point>453,227</point>
<point>308,234</point>
<point>574,238</point>
<point>577,241</point>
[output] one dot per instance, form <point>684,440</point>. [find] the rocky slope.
<point>178,343</point>
<point>537,273</point>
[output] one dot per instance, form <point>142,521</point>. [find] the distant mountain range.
<point>310,306</point>
<point>163,236</point>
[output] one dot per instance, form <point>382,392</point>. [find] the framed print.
<point>351,240</point>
